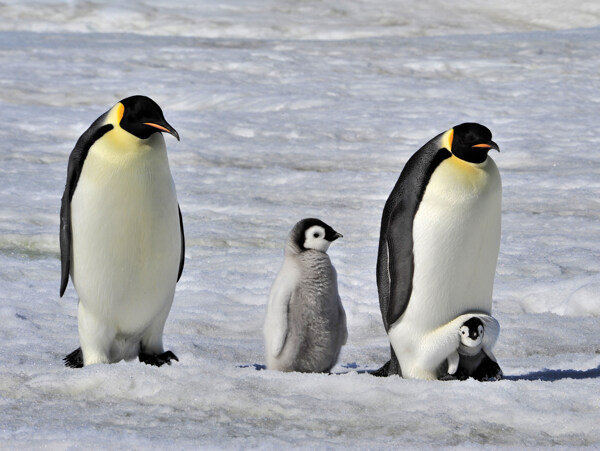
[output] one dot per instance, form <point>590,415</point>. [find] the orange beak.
<point>163,129</point>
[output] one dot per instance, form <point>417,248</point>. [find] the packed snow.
<point>288,110</point>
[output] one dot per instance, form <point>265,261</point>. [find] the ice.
<point>289,110</point>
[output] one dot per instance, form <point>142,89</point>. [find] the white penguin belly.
<point>456,239</point>
<point>126,236</point>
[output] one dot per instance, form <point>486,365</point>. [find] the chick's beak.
<point>334,237</point>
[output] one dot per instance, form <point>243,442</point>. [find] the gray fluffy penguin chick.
<point>305,325</point>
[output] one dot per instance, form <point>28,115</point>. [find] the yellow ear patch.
<point>115,114</point>
<point>447,139</point>
<point>120,110</point>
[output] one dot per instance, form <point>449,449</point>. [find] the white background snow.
<point>291,109</point>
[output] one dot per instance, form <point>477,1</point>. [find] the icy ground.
<point>286,110</point>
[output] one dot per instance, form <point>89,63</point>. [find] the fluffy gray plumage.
<point>305,326</point>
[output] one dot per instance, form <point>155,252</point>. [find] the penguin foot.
<point>488,370</point>
<point>448,377</point>
<point>460,375</point>
<point>74,359</point>
<point>383,371</point>
<point>157,359</point>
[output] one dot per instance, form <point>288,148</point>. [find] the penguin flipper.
<point>395,261</point>
<point>453,360</point>
<point>276,322</point>
<point>74,359</point>
<point>182,254</point>
<point>343,327</point>
<point>74,168</point>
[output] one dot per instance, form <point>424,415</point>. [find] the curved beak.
<point>488,146</point>
<point>336,236</point>
<point>164,128</point>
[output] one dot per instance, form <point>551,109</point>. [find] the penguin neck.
<point>121,147</point>
<point>469,351</point>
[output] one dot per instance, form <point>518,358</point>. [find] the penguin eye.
<point>316,235</point>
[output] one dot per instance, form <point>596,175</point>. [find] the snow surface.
<point>286,110</point>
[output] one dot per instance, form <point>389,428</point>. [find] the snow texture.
<point>288,110</point>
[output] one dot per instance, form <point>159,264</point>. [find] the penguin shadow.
<point>556,375</point>
<point>256,366</point>
<point>349,366</point>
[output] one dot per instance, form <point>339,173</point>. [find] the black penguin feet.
<point>383,371</point>
<point>157,359</point>
<point>391,367</point>
<point>488,370</point>
<point>75,359</point>
<point>461,375</point>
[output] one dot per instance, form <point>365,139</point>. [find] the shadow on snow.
<point>556,375</point>
<point>542,375</point>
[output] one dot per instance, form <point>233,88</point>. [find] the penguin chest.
<point>126,238</point>
<point>314,307</point>
<point>456,238</point>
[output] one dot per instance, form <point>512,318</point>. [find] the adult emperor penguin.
<point>121,235</point>
<point>305,325</point>
<point>439,242</point>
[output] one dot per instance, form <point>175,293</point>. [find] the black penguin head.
<point>470,142</point>
<point>471,332</point>
<point>142,117</point>
<point>312,233</point>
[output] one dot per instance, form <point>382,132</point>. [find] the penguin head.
<point>312,234</point>
<point>471,332</point>
<point>142,117</point>
<point>470,142</point>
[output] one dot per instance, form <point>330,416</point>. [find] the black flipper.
<point>182,255</point>
<point>76,160</point>
<point>157,359</point>
<point>74,359</point>
<point>395,261</point>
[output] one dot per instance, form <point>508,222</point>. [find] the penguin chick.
<point>305,325</point>
<point>462,353</point>
<point>121,235</point>
<point>471,342</point>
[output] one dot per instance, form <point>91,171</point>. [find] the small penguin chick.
<point>305,325</point>
<point>471,341</point>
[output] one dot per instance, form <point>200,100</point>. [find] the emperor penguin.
<point>305,324</point>
<point>121,235</point>
<point>439,243</point>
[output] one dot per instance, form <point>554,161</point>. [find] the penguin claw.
<point>74,359</point>
<point>157,359</point>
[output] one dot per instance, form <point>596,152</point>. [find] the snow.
<point>289,110</point>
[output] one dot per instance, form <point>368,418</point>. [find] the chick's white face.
<point>314,238</point>
<point>470,338</point>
